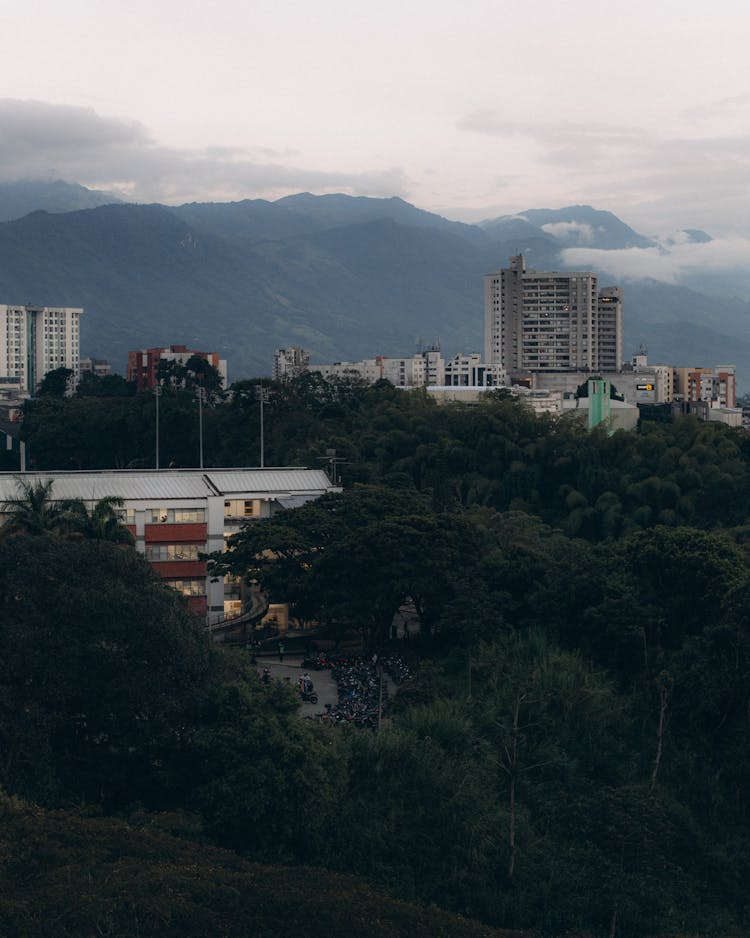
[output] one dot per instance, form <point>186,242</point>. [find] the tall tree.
<point>57,383</point>
<point>102,522</point>
<point>33,511</point>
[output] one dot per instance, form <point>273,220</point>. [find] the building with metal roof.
<point>177,515</point>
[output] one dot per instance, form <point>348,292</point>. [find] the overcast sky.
<point>473,110</point>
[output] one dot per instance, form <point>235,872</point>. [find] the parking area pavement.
<point>291,670</point>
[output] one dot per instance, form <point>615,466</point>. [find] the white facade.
<point>419,370</point>
<point>182,358</point>
<point>290,363</point>
<point>541,402</point>
<point>369,370</point>
<point>731,416</point>
<point>469,371</point>
<point>37,339</point>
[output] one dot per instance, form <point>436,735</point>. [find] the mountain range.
<point>345,277</point>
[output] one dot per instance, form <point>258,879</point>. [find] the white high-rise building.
<point>539,321</point>
<point>290,362</point>
<point>37,339</point>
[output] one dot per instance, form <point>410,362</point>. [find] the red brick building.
<point>144,363</point>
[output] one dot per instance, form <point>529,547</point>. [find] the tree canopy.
<point>571,755</point>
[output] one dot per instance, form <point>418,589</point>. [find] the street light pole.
<point>263,397</point>
<point>380,697</point>
<point>200,426</point>
<point>157,395</point>
<point>262,433</point>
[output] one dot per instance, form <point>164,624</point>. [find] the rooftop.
<point>168,484</point>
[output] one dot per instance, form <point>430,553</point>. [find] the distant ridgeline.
<point>341,276</point>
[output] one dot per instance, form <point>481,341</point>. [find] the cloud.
<point>717,108</point>
<point>676,264</point>
<point>570,231</point>
<point>690,179</point>
<point>48,141</point>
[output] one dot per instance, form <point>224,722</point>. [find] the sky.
<point>472,110</point>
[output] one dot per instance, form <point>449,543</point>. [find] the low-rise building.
<point>716,385</point>
<point>96,366</point>
<point>143,364</point>
<point>423,369</point>
<point>599,409</point>
<point>176,515</point>
<point>471,372</point>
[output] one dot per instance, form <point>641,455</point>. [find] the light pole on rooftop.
<point>157,395</point>
<point>264,398</point>
<point>200,391</point>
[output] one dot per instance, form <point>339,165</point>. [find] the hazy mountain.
<point>688,236</point>
<point>259,220</point>
<point>573,226</point>
<point>346,278</point>
<point>145,277</point>
<point>20,198</point>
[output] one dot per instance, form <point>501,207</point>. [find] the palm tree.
<point>101,523</point>
<point>32,511</point>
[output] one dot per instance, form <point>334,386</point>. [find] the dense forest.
<point>571,756</point>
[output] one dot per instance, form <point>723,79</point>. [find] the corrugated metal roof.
<point>296,501</point>
<point>170,484</point>
<point>293,481</point>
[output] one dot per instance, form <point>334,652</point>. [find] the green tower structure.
<point>599,406</point>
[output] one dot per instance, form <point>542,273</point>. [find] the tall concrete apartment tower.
<point>38,339</point>
<point>550,321</point>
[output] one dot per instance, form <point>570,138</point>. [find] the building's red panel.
<point>131,528</point>
<point>179,569</point>
<point>196,532</point>
<point>198,605</point>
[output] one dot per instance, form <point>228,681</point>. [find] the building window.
<point>167,552</point>
<point>177,515</point>
<point>188,587</point>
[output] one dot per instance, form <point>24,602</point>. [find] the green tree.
<point>355,558</point>
<point>92,385</point>
<point>101,664</point>
<point>196,372</point>
<point>102,522</point>
<point>264,782</point>
<point>33,511</point>
<point>56,383</point>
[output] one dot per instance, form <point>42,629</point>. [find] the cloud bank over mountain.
<point>673,260</point>
<point>51,141</point>
<point>659,174</point>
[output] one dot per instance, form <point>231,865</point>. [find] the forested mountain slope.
<point>345,277</point>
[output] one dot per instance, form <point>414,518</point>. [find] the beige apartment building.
<point>547,321</point>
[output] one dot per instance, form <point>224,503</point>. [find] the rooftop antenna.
<point>333,463</point>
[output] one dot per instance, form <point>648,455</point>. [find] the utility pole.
<point>157,395</point>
